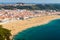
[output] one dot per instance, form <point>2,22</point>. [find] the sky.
<point>30,1</point>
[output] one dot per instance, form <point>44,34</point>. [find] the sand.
<point>20,25</point>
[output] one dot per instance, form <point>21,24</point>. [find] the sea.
<point>49,31</point>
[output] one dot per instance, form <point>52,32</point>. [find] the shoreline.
<point>20,25</point>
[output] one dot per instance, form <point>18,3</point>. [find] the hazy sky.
<point>31,1</point>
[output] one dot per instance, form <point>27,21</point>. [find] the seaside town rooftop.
<point>7,15</point>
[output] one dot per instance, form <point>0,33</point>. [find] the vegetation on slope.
<point>35,7</point>
<point>4,33</point>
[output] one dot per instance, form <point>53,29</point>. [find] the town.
<point>17,14</point>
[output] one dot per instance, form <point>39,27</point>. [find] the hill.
<point>34,7</point>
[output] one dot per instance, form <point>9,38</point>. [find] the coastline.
<point>20,25</point>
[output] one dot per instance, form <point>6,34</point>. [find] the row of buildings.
<point>7,15</point>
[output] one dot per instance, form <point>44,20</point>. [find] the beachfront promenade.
<point>8,15</point>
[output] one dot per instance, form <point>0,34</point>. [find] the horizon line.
<point>25,3</point>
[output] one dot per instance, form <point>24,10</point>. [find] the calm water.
<point>49,31</point>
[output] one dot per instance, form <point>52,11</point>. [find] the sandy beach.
<point>20,25</point>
